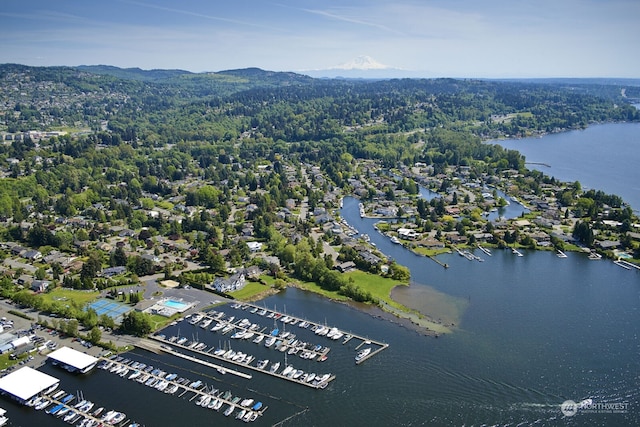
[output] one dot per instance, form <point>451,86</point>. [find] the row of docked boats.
<point>281,340</point>
<point>312,379</point>
<point>332,333</point>
<point>249,409</point>
<point>82,413</point>
<point>149,376</point>
<point>170,383</point>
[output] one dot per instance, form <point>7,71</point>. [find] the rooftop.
<point>26,382</point>
<point>73,358</point>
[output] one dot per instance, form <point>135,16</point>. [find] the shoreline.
<point>411,319</point>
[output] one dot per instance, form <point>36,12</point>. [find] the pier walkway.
<point>223,369</point>
<point>313,325</point>
<point>160,381</point>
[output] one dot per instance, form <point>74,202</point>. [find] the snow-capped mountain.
<point>361,67</point>
<point>362,62</point>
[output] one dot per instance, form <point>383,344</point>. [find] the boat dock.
<point>171,384</point>
<point>626,264</point>
<point>370,354</point>
<point>61,404</point>
<point>485,250</point>
<point>222,369</point>
<point>297,320</point>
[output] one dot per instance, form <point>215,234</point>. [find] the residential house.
<point>39,285</point>
<point>233,283</point>
<point>346,266</point>
<point>254,246</point>
<point>113,271</point>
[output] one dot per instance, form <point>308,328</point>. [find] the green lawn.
<point>380,287</point>
<point>62,294</point>
<point>159,322</point>
<point>5,362</point>
<point>250,290</point>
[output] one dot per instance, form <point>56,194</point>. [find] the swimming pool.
<point>176,305</point>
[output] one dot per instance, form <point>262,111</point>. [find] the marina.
<point>169,383</point>
<point>74,409</point>
<point>279,340</point>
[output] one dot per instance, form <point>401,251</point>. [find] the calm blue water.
<point>604,157</point>
<point>537,330</point>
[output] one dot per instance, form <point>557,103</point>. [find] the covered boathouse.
<point>26,383</point>
<point>73,360</point>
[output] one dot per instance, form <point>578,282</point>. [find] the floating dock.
<point>223,369</point>
<point>626,264</point>
<point>297,320</point>
<point>170,384</point>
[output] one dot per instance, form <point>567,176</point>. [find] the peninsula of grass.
<point>379,287</point>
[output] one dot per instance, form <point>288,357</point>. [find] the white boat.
<point>241,414</point>
<point>258,339</point>
<point>218,326</point>
<point>362,354</point>
<point>196,318</point>
<point>135,375</point>
<point>118,418</point>
<point>395,240</point>
<point>238,335</point>
<point>229,410</point>
<point>3,419</point>
<point>287,370</point>
<point>561,254</point>
<point>274,368</point>
<point>218,404</point>
<point>69,416</point>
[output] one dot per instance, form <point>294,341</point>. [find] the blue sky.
<point>436,38</point>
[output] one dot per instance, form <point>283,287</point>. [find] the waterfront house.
<point>233,283</point>
<point>346,267</point>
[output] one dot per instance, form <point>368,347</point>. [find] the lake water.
<point>530,333</point>
<point>604,157</point>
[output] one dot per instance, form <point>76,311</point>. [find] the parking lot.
<point>44,340</point>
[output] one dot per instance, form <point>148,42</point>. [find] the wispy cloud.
<point>352,20</point>
<point>200,15</point>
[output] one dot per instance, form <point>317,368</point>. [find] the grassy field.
<point>250,290</point>
<point>159,322</point>
<point>380,287</point>
<point>60,295</point>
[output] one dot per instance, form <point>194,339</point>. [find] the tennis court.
<point>113,309</point>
